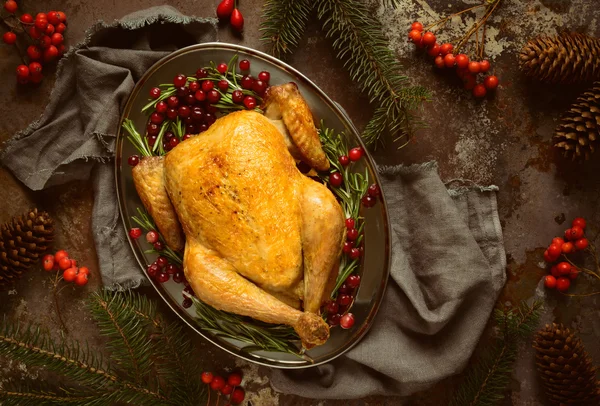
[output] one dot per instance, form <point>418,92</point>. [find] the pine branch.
<point>174,352</point>
<point>128,341</point>
<point>41,398</point>
<point>283,24</point>
<point>34,347</point>
<point>487,379</point>
<point>360,42</point>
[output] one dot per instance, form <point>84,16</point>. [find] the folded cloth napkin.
<point>447,269</point>
<point>74,139</point>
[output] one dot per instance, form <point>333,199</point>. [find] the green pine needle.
<point>360,42</point>
<point>283,24</point>
<point>486,381</point>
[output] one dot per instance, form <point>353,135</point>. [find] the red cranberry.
<point>247,82</point>
<point>333,319</point>
<point>181,91</point>
<point>374,190</point>
<point>172,101</point>
<point>237,96</point>
<point>201,73</point>
<point>152,128</point>
<point>133,160</point>
<point>264,76</point>
<point>189,291</point>
<point>162,277</point>
<point>211,109</point>
<point>178,277</point>
<point>200,95</point>
<point>345,289</point>
<point>355,154</point>
<point>350,223</point>
<point>259,87</point>
<point>191,128</point>
<point>157,118</point>
<point>238,396</point>
<point>172,268</point>
<point>222,67</point>
<point>354,253</point>
<point>155,92</point>
<point>203,127</point>
<point>186,137</point>
<point>184,111</point>
<point>197,114</point>
<point>244,64</point>
<point>207,85</point>
<point>348,245</point>
<point>227,389</point>
<point>135,233</point>
<point>151,236</point>
<point>332,308</point>
<point>161,107</point>
<point>173,142</point>
<point>179,80</point>
<point>217,383</point>
<point>344,300</point>
<point>368,201</point>
<point>223,85</point>
<point>213,96</point>
<point>209,118</point>
<point>172,114</point>
<point>336,179</point>
<point>344,160</point>
<point>152,139</point>
<point>234,379</point>
<point>168,135</point>
<point>162,261</point>
<point>347,321</point>
<point>187,303</point>
<point>249,102</point>
<point>152,270</point>
<point>190,99</point>
<point>159,246</point>
<point>194,86</point>
<point>353,281</point>
<point>352,234</point>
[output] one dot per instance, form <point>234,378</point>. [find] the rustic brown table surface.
<point>504,141</point>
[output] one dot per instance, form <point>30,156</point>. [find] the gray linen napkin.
<point>74,139</point>
<point>448,267</point>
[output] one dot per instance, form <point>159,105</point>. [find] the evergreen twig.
<point>283,24</point>
<point>122,317</point>
<point>360,42</point>
<point>486,380</point>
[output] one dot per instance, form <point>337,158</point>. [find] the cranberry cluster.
<point>337,310</point>
<point>197,100</point>
<point>562,273</point>
<point>226,387</point>
<point>44,34</point>
<point>71,273</point>
<point>227,10</point>
<point>467,69</point>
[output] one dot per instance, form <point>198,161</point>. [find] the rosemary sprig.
<point>146,222</point>
<point>139,142</point>
<point>260,336</point>
<point>350,193</point>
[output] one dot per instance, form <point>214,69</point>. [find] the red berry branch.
<point>70,273</point>
<point>562,273</point>
<point>226,387</point>
<point>468,64</point>
<point>42,38</point>
<point>227,9</point>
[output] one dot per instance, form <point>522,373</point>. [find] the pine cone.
<point>565,367</point>
<point>567,58</point>
<point>23,240</point>
<point>579,131</point>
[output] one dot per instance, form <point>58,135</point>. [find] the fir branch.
<point>359,40</point>
<point>486,381</point>
<point>40,398</point>
<point>128,341</point>
<point>283,24</point>
<point>34,347</point>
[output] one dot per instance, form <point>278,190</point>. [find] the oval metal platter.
<point>374,269</point>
